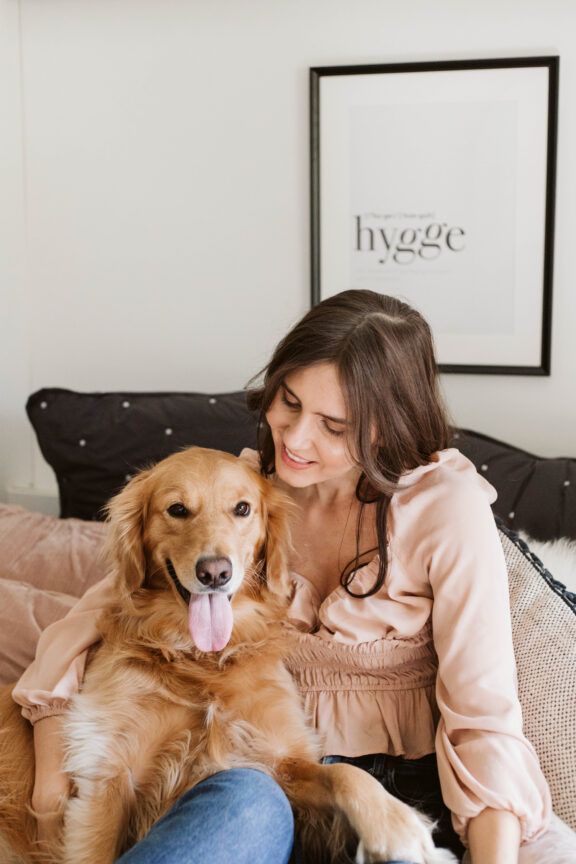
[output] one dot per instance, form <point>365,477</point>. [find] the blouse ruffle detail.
<point>368,698</point>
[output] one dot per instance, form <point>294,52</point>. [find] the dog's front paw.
<point>406,836</point>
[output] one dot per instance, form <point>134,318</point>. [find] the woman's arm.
<point>494,837</point>
<point>54,677</point>
<point>44,691</point>
<point>485,762</point>
<point>51,784</point>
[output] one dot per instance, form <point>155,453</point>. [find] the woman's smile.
<point>307,419</point>
<point>294,461</point>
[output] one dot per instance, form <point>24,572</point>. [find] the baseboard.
<point>38,500</point>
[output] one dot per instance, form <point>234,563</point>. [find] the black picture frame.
<point>499,119</point>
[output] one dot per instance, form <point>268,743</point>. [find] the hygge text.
<point>404,245</point>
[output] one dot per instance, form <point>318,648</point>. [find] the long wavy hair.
<point>383,351</point>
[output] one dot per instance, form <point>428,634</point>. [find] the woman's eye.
<point>178,511</point>
<point>242,509</point>
<point>288,403</point>
<point>336,432</point>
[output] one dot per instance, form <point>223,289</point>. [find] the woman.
<point>401,638</point>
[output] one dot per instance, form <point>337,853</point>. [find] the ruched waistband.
<point>387,664</point>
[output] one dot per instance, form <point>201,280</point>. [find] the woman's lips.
<point>293,463</point>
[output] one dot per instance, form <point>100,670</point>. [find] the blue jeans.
<point>239,816</point>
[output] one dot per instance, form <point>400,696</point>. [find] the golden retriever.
<point>189,680</point>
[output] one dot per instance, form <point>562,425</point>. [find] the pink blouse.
<point>425,664</point>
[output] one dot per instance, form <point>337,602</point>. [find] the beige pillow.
<point>544,632</point>
<point>57,554</point>
<point>45,564</point>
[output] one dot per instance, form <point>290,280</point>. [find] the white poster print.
<point>432,210</point>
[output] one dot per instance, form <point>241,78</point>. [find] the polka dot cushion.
<point>95,441</point>
<point>535,494</point>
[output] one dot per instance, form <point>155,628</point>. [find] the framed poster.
<point>435,182</point>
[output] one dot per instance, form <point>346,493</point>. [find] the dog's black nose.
<point>214,572</point>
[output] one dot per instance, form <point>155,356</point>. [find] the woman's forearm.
<point>50,782</point>
<point>494,837</point>
<point>51,785</point>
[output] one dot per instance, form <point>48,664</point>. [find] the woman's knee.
<point>252,809</point>
<point>245,794</point>
<point>239,815</point>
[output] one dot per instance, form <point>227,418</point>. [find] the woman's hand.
<point>494,837</point>
<point>51,784</point>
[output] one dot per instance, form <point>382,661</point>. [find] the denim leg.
<point>239,816</point>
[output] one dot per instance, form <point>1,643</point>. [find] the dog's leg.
<point>96,821</point>
<point>17,825</point>
<point>327,795</point>
<point>7,854</point>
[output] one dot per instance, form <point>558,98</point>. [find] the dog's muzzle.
<point>210,616</point>
<point>184,593</point>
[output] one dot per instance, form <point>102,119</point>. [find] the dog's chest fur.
<point>165,721</point>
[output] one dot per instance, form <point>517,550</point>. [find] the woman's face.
<point>308,421</point>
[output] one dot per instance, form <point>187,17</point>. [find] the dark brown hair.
<point>384,353</point>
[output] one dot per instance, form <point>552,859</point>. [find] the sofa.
<point>95,442</point>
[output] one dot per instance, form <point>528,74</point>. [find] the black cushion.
<point>95,441</point>
<point>535,494</point>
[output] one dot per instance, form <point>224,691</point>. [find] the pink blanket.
<point>45,564</point>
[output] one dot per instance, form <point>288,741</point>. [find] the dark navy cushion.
<point>535,494</point>
<point>95,441</point>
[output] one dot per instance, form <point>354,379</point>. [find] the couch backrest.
<point>535,494</point>
<point>96,441</point>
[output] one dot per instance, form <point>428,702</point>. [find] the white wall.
<point>154,208</point>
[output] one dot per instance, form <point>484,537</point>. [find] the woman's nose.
<point>298,432</point>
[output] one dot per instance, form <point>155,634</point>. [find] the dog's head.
<point>205,524</point>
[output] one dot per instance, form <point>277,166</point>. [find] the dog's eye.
<point>242,509</point>
<point>178,511</point>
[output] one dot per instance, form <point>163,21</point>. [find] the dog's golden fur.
<point>156,715</point>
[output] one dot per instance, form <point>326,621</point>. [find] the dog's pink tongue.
<point>210,621</point>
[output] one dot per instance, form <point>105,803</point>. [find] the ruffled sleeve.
<point>54,677</point>
<point>484,760</point>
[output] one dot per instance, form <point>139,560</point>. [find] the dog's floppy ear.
<point>127,513</point>
<point>277,540</point>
